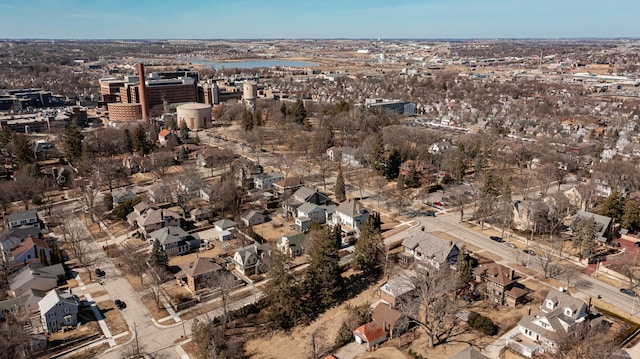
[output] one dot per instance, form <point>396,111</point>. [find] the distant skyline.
<point>265,19</point>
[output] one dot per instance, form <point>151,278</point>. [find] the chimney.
<point>143,92</point>
<point>513,274</point>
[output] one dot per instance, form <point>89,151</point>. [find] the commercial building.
<point>195,115</point>
<point>124,111</point>
<point>402,107</point>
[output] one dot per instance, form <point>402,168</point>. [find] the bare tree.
<point>77,243</point>
<point>158,275</point>
<point>317,342</point>
<point>137,263</point>
<point>225,283</point>
<point>436,308</point>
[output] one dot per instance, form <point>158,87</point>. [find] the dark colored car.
<point>120,304</point>
<point>497,239</point>
<point>628,292</point>
<point>529,252</point>
<point>100,272</point>
<point>433,214</point>
<point>637,244</point>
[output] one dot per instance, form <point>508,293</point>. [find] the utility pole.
<point>135,330</point>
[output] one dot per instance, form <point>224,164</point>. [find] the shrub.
<point>484,324</point>
<point>344,335</point>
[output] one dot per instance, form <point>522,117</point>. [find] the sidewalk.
<point>96,313</point>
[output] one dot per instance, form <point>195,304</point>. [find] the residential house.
<point>159,192</point>
<point>575,198</point>
<point>167,138</point>
<point>207,192</point>
<point>314,212</point>
<point>291,245</point>
<point>29,250</point>
<point>252,217</point>
<point>502,287</point>
<point>224,224</point>
<point>430,249</point>
<point>198,274</point>
<point>393,320</point>
<point>21,306</point>
<point>439,147</point>
<point>246,173</point>
<point>210,156</point>
<point>346,155</point>
<point>334,154</point>
<point>23,218</point>
<point>522,219</point>
<point>13,238</point>
<point>468,353</point>
<point>29,277</point>
<point>302,223</point>
<point>288,185</point>
<point>371,334</point>
<point>302,195</point>
<point>350,214</point>
<point>265,181</point>
<point>175,241</point>
<point>246,259</point>
<point>121,196</point>
<point>560,313</point>
<point>200,214</point>
<point>58,310</point>
<point>154,219</point>
<point>398,291</point>
<point>136,164</point>
<point>603,224</point>
<point>138,210</point>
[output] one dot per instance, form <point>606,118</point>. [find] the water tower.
<point>249,94</point>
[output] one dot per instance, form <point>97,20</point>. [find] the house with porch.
<point>350,214</point>
<point>291,245</point>
<point>430,249</point>
<point>175,241</point>
<point>58,310</point>
<point>559,314</point>
<point>265,181</point>
<point>502,287</point>
<point>155,219</point>
<point>198,274</point>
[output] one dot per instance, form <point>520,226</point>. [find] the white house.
<point>23,218</point>
<point>265,181</point>
<point>314,212</point>
<point>350,214</point>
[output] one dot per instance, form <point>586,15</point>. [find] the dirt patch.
<point>123,339</point>
<point>272,233</point>
<point>396,230</point>
<point>295,343</point>
<point>152,307</point>
<point>90,352</point>
<point>99,293</point>
<point>384,353</point>
<point>113,317</point>
<point>89,326</point>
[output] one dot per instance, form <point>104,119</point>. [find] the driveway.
<point>350,350</point>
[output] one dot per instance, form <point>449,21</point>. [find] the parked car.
<point>120,304</point>
<point>628,292</point>
<point>433,214</point>
<point>510,245</point>
<point>497,239</point>
<point>615,244</point>
<point>100,272</point>
<point>637,244</point>
<point>529,252</point>
<point>439,204</point>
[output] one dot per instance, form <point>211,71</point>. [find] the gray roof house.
<point>350,214</point>
<point>175,240</point>
<point>246,259</point>
<point>312,211</point>
<point>559,313</point>
<point>21,306</point>
<point>19,219</point>
<point>603,224</point>
<point>58,310</point>
<point>265,181</point>
<point>291,245</point>
<point>468,353</point>
<point>252,217</point>
<point>155,219</point>
<point>431,249</point>
<point>43,278</point>
<point>224,224</point>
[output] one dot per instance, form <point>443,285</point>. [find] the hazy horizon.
<point>331,19</point>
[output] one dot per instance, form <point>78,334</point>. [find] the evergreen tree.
<point>412,180</point>
<point>376,155</point>
<point>182,155</point>
<point>158,255</point>
<point>613,206</point>
<point>463,266</point>
<point>337,235</point>
<point>128,141</point>
<point>299,112</point>
<point>392,169</point>
<point>139,141</point>
<point>283,296</point>
<point>322,280</point>
<point>247,120</point>
<point>368,249</point>
<point>283,109</point>
<point>631,216</point>
<point>340,188</point>
<point>184,132</point>
<point>73,143</point>
<point>585,234</point>
<point>23,149</point>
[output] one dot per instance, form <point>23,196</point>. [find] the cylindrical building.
<point>124,111</point>
<point>250,93</point>
<point>196,115</point>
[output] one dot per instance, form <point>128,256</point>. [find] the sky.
<point>295,19</point>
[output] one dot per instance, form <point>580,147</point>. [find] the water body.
<point>250,64</point>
